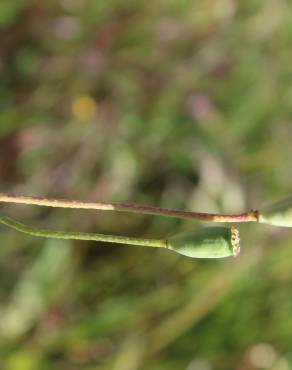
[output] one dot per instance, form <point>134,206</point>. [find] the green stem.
<point>251,216</point>
<point>81,236</point>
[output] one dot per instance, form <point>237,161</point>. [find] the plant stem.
<point>81,236</point>
<point>251,216</point>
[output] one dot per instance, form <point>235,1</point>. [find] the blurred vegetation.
<point>176,103</point>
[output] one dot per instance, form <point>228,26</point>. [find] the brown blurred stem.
<point>251,216</point>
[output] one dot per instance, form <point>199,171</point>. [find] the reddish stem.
<point>251,216</point>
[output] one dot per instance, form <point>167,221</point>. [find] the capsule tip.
<point>235,241</point>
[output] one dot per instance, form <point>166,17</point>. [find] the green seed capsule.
<point>278,214</point>
<point>211,242</point>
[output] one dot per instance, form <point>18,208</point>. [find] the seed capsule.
<point>278,214</point>
<point>211,242</point>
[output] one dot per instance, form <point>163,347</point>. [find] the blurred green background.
<point>172,103</point>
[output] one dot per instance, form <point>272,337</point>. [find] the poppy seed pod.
<point>211,242</point>
<point>278,214</point>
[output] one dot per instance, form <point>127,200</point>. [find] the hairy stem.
<point>81,236</point>
<point>251,216</point>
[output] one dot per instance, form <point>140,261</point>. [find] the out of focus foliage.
<point>176,103</point>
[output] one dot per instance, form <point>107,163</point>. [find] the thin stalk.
<point>251,216</point>
<point>81,236</point>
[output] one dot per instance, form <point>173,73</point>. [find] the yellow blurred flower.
<point>84,108</point>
